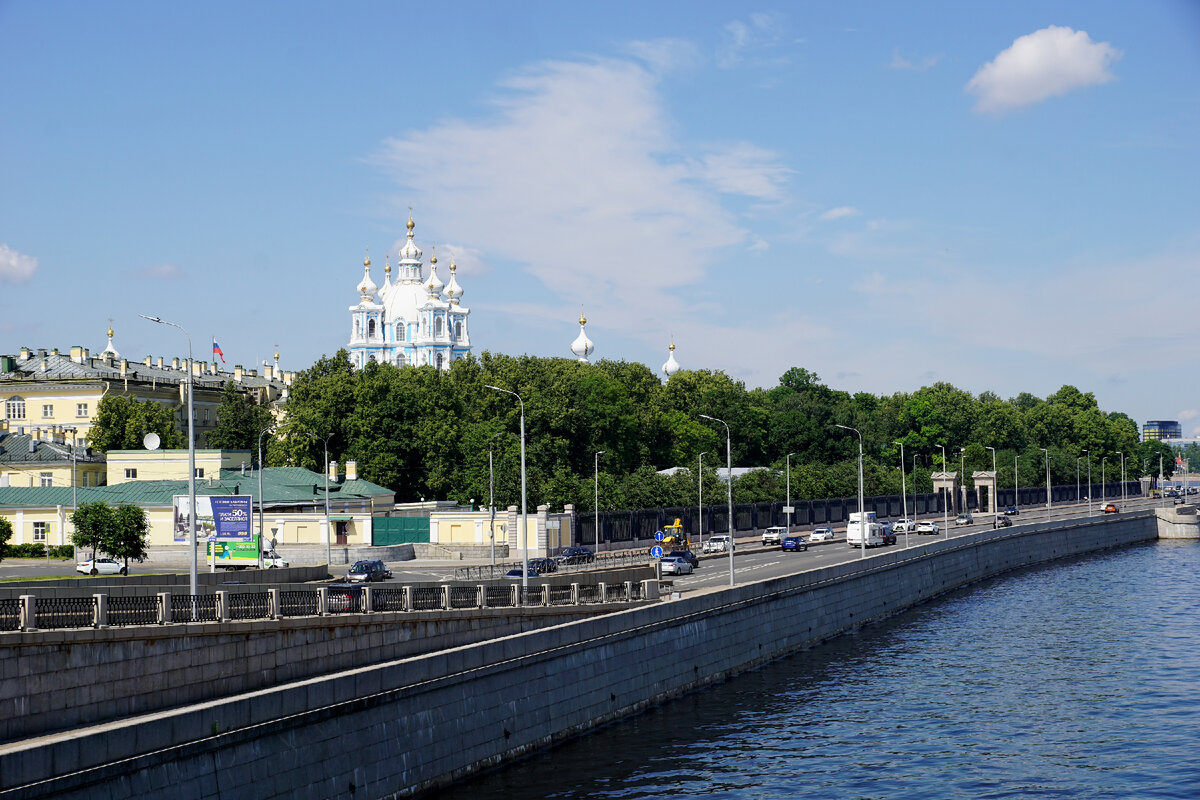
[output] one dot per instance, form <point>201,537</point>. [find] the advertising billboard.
<point>226,518</point>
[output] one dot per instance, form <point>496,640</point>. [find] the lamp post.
<point>1162,490</point>
<point>265,431</point>
<point>1103,484</point>
<point>1016,483</point>
<point>700,502</point>
<point>328,529</point>
<point>1089,495</point>
<point>962,467</point>
<point>524,509</point>
<point>862,522</point>
<point>945,495</point>
<point>1046,452</point>
<point>788,500</point>
<point>492,497</point>
<point>597,506</point>
<point>904,495</point>
<point>995,507</point>
<point>1077,460</point>
<point>729,476</point>
<point>191,454</point>
<point>1122,455</point>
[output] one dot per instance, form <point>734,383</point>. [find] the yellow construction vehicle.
<point>674,537</point>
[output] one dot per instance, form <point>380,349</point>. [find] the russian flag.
<point>217,351</point>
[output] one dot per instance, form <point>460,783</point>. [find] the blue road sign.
<point>656,551</point>
<point>659,536</point>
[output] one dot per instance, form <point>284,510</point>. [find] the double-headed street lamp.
<point>1103,485</point>
<point>597,506</point>
<point>729,476</point>
<point>1016,483</point>
<point>788,500</point>
<point>862,521</point>
<point>1122,455</point>
<point>191,453</point>
<point>524,509</point>
<point>1047,452</point>
<point>700,501</point>
<point>328,530</point>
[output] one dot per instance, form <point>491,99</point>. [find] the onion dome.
<point>433,284</point>
<point>409,255</point>
<point>672,366</point>
<point>582,347</point>
<point>367,287</point>
<point>453,290</point>
<point>110,350</point>
<point>387,277</point>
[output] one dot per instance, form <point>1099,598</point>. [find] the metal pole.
<point>328,529</point>
<point>700,502</point>
<point>729,476</point>
<point>1016,484</point>
<point>524,507</point>
<point>1103,484</point>
<point>788,500</point>
<point>862,522</point>
<point>1122,455</point>
<point>962,467</point>
<point>492,501</point>
<point>597,506</point>
<point>1162,494</point>
<point>1089,460</point>
<point>1047,452</point>
<point>1077,460</point>
<point>903,495</point>
<point>992,505</point>
<point>945,495</point>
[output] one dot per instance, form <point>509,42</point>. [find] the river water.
<point>1079,679</point>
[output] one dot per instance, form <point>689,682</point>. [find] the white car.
<point>675,565</point>
<point>101,566</point>
<point>964,519</point>
<point>773,535</point>
<point>927,527</point>
<point>718,544</point>
<point>905,526</point>
<point>824,534</point>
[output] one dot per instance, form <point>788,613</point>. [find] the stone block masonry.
<point>415,724</point>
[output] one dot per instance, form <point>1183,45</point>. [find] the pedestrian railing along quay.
<point>31,613</point>
<point>614,560</point>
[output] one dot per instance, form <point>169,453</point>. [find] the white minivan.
<point>858,528</point>
<point>774,535</point>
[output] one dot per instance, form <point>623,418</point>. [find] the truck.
<point>243,555</point>
<point>862,527</point>
<point>674,538</point>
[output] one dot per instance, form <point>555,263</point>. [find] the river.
<point>1079,679</point>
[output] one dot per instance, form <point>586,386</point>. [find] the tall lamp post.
<point>265,431</point>
<point>328,529</point>
<point>788,500</point>
<point>994,507</point>
<point>862,522</point>
<point>597,506</point>
<point>700,501</point>
<point>729,476</point>
<point>1103,484</point>
<point>1089,463</point>
<point>191,454</point>
<point>1047,454</point>
<point>904,495</point>
<point>962,466</point>
<point>1016,483</point>
<point>1122,455</point>
<point>945,496</point>
<point>524,509</point>
<point>492,497</point>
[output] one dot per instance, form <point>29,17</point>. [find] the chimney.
<point>54,351</point>
<point>77,354</point>
<point>146,361</point>
<point>237,372</point>
<point>159,363</point>
<point>45,363</point>
<point>351,470</point>
<point>175,363</point>
<point>24,353</point>
<point>86,354</point>
<point>124,367</point>
<point>267,371</point>
<point>333,472</point>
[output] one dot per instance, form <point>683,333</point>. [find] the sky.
<point>1003,196</point>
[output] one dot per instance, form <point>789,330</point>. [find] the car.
<point>1012,511</point>
<point>1193,490</point>
<point>387,573</point>
<point>365,572</point>
<point>793,544</point>
<point>691,557</point>
<point>1111,509</point>
<point>517,574</point>
<point>1002,522</point>
<point>889,535</point>
<point>543,565</point>
<point>101,566</point>
<point>675,565</point>
<point>964,519</point>
<point>773,535</point>
<point>575,555</point>
<point>927,527</point>
<point>721,543</point>
<point>904,525</point>
<point>822,534</point>
<point>341,598</point>
<point>1178,501</point>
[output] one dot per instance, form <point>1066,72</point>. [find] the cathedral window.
<point>440,358</point>
<point>437,327</point>
<point>401,328</point>
<point>356,329</point>
<point>401,361</point>
<point>371,329</point>
<point>458,329</point>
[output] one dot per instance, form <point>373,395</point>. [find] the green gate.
<point>399,530</point>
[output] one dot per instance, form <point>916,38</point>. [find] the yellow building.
<point>171,465</point>
<point>46,458</point>
<point>545,533</point>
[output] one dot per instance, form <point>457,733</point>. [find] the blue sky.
<point>1005,196</point>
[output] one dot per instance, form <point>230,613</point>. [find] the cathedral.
<point>413,321</point>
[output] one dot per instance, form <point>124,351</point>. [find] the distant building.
<point>47,458</point>
<point>1156,430</point>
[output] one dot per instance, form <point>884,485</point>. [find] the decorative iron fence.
<point>134,610</point>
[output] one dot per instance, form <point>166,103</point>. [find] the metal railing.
<point>134,610</point>
<point>632,557</point>
<point>65,612</point>
<point>10,615</point>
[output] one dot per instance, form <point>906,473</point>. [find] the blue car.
<point>793,544</point>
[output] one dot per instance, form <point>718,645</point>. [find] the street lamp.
<point>597,507</point>
<point>1122,455</point>
<point>328,530</point>
<point>1103,484</point>
<point>904,494</point>
<point>962,466</point>
<point>1016,483</point>
<point>1047,454</point>
<point>191,454</point>
<point>492,497</point>
<point>995,507</point>
<point>788,501</point>
<point>265,431</point>
<point>1089,463</point>
<point>524,509</point>
<point>700,502</point>
<point>945,495</point>
<point>862,521</point>
<point>729,475</point>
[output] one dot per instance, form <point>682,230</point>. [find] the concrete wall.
<point>421,722</point>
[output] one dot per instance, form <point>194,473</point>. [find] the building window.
<point>206,415</point>
<point>40,530</point>
<point>131,473</point>
<point>370,329</point>
<point>440,360</point>
<point>14,408</point>
<point>81,409</point>
<point>199,472</point>
<point>437,327</point>
<point>47,478</point>
<point>401,361</point>
<point>401,331</point>
<point>458,329</point>
<point>47,411</point>
<point>355,329</point>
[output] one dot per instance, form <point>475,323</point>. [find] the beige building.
<point>46,457</point>
<point>545,533</point>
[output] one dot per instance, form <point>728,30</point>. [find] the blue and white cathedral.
<point>411,322</point>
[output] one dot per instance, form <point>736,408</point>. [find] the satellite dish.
<point>151,441</point>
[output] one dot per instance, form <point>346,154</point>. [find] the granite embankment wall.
<point>414,724</point>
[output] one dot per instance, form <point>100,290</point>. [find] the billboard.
<point>225,518</point>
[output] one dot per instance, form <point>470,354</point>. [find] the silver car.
<point>675,565</point>
<point>822,534</point>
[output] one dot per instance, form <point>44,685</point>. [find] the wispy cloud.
<point>1188,414</point>
<point>752,42</point>
<point>666,55</point>
<point>841,212</point>
<point>920,65</point>
<point>1040,65</point>
<point>15,267</point>
<point>158,272</point>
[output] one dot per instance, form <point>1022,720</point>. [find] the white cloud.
<point>15,267</point>
<point>1190,413</point>
<point>159,272</point>
<point>666,55</point>
<point>841,212</point>
<point>1041,65</point>
<point>751,42</point>
<point>900,62</point>
<point>577,179</point>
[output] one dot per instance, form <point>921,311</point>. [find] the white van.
<point>774,535</point>
<point>855,530</point>
<point>717,544</point>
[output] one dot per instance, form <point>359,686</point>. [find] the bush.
<point>38,550</point>
<point>62,551</point>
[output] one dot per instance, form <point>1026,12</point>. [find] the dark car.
<point>342,598</point>
<point>383,568</point>
<point>687,555</point>
<point>575,555</point>
<point>793,544</point>
<point>543,565</point>
<point>889,536</point>
<point>1003,522</point>
<point>516,574</point>
<point>365,572</point>
<point>1012,511</point>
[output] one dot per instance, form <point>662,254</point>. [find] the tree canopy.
<point>122,422</point>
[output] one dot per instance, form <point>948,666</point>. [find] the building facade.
<point>413,321</point>
<point>1155,430</point>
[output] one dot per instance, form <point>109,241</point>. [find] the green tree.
<point>239,421</point>
<point>93,523</point>
<point>123,422</point>
<point>128,534</point>
<point>6,532</point>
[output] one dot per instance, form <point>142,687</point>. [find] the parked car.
<point>793,544</point>
<point>691,557</point>
<point>720,543</point>
<point>822,534</point>
<point>517,574</point>
<point>101,566</point>
<point>904,525</point>
<point>927,527</point>
<point>1003,522</point>
<point>773,535</point>
<point>1111,509</point>
<point>964,519</point>
<point>675,565</point>
<point>575,555</point>
<point>341,598</point>
<point>543,565</point>
<point>365,572</point>
<point>1012,511</point>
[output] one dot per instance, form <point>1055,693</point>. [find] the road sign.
<point>656,551</point>
<point>659,536</point>
<point>789,509</point>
